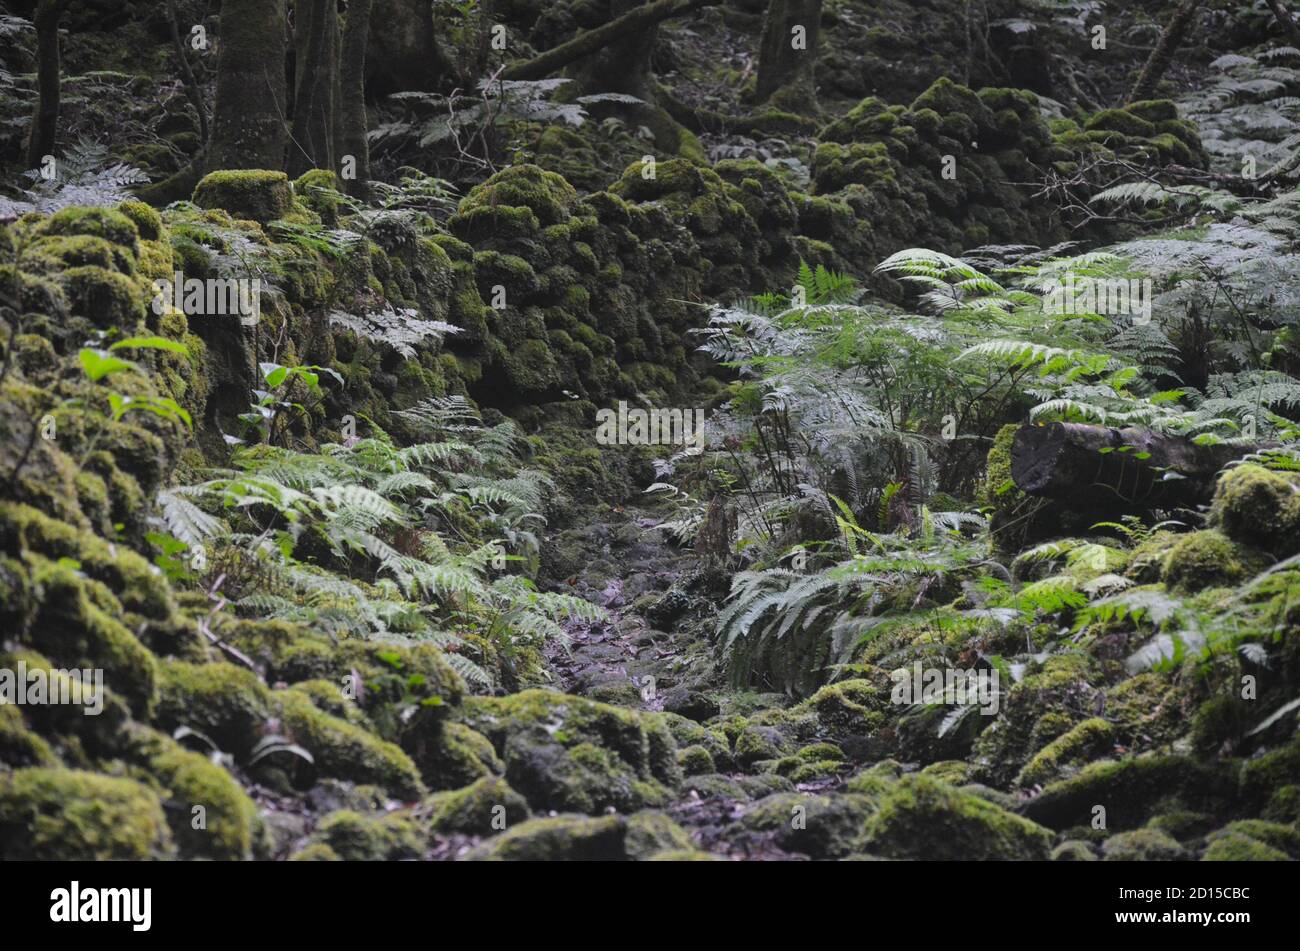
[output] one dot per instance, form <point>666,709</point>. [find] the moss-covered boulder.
<point>572,754</point>
<point>63,815</point>
<point>921,817</point>
<point>483,808</point>
<point>562,838</point>
<point>253,194</point>
<point>1143,845</point>
<point>354,837</point>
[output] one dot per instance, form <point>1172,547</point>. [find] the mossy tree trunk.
<point>249,116</point>
<point>316,43</point>
<point>353,121</point>
<point>404,51</point>
<point>45,122</point>
<point>791,31</point>
<point>1158,62</point>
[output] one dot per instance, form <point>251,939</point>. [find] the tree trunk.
<point>316,54</point>
<point>1163,54</point>
<point>45,121</point>
<point>638,19</point>
<point>193,88</point>
<point>1110,471</point>
<point>248,118</point>
<point>791,31</point>
<point>1285,20</point>
<point>353,123</point>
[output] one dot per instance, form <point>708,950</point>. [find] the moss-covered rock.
<point>483,808</point>
<point>923,818</point>
<point>354,837</point>
<point>252,194</point>
<point>1207,559</point>
<point>63,815</point>
<point>820,826</point>
<point>1257,507</point>
<point>563,838</point>
<point>1083,742</point>
<point>568,753</point>
<point>227,704</point>
<point>345,751</point>
<point>1143,845</point>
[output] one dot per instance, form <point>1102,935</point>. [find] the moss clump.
<point>252,194</point>
<point>315,852</point>
<point>651,833</point>
<point>1257,507</point>
<point>818,826</point>
<point>1206,559</point>
<point>569,753</point>
<point>848,708</point>
<point>52,255</point>
<point>19,746</point>
<point>227,704</point>
<point>148,222</point>
<point>563,838</point>
<point>105,298</point>
<point>1237,847</point>
<point>110,224</point>
<point>483,808</point>
<point>1143,845</point>
<point>1133,790</point>
<point>211,815</point>
<point>923,818</point>
<point>1073,850</point>
<point>345,751</point>
<point>70,815</point>
<point>357,838</point>
<point>1285,838</point>
<point>695,760</point>
<point>314,190</point>
<point>1085,741</point>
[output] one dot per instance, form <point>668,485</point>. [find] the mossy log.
<point>1109,470</point>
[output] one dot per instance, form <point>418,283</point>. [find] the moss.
<point>1257,507</point>
<point>1268,772</point>
<point>482,808</point>
<point>148,222</point>
<point>1206,559</point>
<point>1143,845</point>
<point>757,744</point>
<point>820,826</point>
<point>70,815</point>
<point>343,750</point>
<point>1283,837</point>
<point>19,746</point>
<point>187,780</point>
<point>1073,850</point>
<point>568,753</point>
<point>695,760</point>
<point>105,298</point>
<point>563,838</point>
<point>57,253</point>
<point>848,708</point>
<point>1085,741</point>
<point>1284,805</point>
<point>1236,847</point>
<point>251,194</point>
<point>954,772</point>
<point>227,704</point>
<point>357,838</point>
<point>74,630</point>
<point>314,189</point>
<point>315,852</point>
<point>1132,790</point>
<point>652,833</point>
<point>545,194</point>
<point>110,224</point>
<point>922,818</point>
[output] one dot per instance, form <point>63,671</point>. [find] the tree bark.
<point>353,121</point>
<point>641,18</point>
<point>785,60</point>
<point>1163,54</point>
<point>316,46</point>
<point>1285,20</point>
<point>1109,470</point>
<point>45,121</point>
<point>248,117</point>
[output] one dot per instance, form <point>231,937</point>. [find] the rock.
<point>692,704</point>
